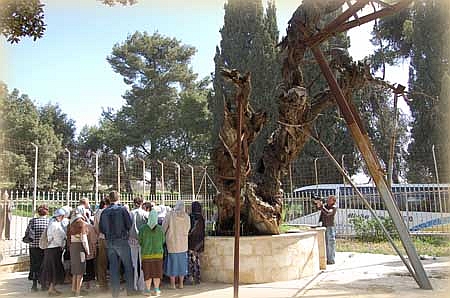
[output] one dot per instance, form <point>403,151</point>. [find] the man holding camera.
<point>327,213</point>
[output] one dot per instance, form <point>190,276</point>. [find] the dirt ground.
<point>354,275</point>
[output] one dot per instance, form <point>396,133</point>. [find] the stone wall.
<point>265,258</point>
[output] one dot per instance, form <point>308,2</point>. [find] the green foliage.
<point>165,112</point>
<point>18,168</point>
<point>20,18</point>
<point>430,246</point>
<point>63,126</point>
<point>21,122</point>
<point>249,38</point>
<point>368,229</point>
<point>431,22</point>
<point>330,126</point>
<point>418,34</point>
<point>376,106</point>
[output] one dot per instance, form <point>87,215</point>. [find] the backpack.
<point>43,242</point>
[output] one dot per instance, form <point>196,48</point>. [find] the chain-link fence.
<point>31,176</point>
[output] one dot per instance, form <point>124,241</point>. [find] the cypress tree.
<point>249,38</point>
<point>428,66</point>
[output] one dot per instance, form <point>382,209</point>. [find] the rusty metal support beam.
<point>375,15</point>
<point>339,25</point>
<point>364,145</point>
<point>237,207</point>
<point>343,17</point>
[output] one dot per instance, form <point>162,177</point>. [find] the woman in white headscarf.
<point>52,270</point>
<point>176,226</point>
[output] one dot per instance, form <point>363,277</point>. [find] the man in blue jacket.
<point>115,224</point>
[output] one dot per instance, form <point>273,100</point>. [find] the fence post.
<point>143,177</point>
<point>192,182</point>
<point>36,149</point>
<point>68,178</point>
<point>97,201</point>
<point>316,172</point>
<point>437,179</point>
<point>162,182</point>
<point>118,172</point>
<point>178,178</point>
<point>392,145</point>
<point>290,178</point>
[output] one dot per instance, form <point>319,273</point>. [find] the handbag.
<point>29,233</point>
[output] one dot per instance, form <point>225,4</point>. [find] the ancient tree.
<point>261,192</point>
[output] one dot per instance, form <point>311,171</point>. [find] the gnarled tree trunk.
<point>261,199</point>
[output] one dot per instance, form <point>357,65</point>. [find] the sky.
<point>68,65</point>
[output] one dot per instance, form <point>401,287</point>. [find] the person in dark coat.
<point>196,242</point>
<point>37,225</point>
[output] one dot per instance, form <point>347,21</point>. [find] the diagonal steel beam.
<point>340,24</point>
<point>364,145</point>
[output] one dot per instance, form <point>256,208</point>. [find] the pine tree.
<point>249,38</point>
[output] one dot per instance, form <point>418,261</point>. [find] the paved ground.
<point>354,275</point>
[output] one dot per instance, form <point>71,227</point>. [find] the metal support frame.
<point>36,154</point>
<point>68,178</point>
<point>363,143</point>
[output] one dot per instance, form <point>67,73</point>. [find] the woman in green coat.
<point>151,240</point>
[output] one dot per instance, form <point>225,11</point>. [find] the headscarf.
<point>179,207</point>
<point>152,219</point>
<point>59,212</point>
<point>196,209</point>
<point>197,231</point>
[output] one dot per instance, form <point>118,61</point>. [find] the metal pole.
<point>392,145</point>
<point>361,139</point>
<point>97,201</point>
<point>316,173</point>
<point>36,150</point>
<point>192,182</point>
<point>237,207</point>
<point>178,177</point>
<point>118,172</point>
<point>68,178</point>
<point>437,179</point>
<point>345,193</point>
<point>206,184</point>
<point>163,199</point>
<point>366,203</point>
<point>290,178</point>
<point>143,177</point>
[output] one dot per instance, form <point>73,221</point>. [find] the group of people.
<point>141,244</point>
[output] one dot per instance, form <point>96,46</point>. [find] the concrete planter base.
<point>265,259</point>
